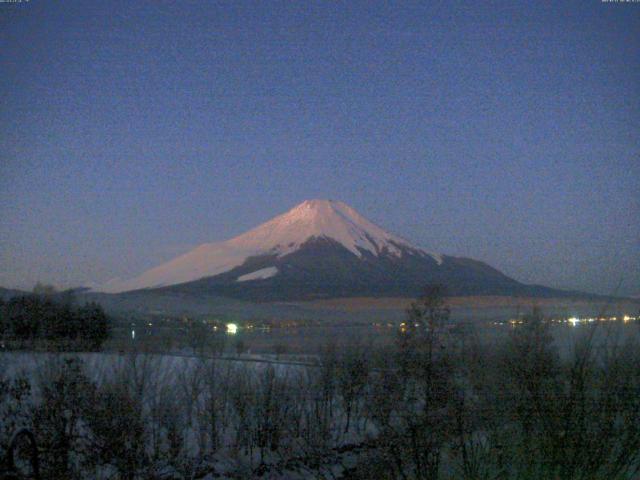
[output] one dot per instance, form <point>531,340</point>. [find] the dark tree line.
<point>32,318</point>
<point>438,404</point>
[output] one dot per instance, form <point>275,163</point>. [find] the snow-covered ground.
<point>190,383</point>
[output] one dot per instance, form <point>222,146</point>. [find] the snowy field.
<point>231,418</point>
<point>331,415</point>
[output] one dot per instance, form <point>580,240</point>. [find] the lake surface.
<point>310,339</point>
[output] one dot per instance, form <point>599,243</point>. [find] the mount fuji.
<point>321,249</point>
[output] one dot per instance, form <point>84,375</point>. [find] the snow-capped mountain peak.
<point>279,236</point>
<point>321,218</point>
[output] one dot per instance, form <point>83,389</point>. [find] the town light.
<point>232,328</point>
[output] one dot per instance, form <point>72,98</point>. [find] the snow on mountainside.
<point>280,236</point>
<point>261,274</point>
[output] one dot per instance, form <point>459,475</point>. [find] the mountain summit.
<point>319,248</point>
<point>324,218</point>
<point>282,235</point>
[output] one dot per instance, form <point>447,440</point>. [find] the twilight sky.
<point>504,131</point>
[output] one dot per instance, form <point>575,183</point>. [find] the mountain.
<point>321,249</point>
<point>7,293</point>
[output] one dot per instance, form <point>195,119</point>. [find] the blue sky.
<point>503,131</point>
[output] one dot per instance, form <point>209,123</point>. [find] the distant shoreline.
<point>493,301</point>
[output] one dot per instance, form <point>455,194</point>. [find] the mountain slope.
<point>280,236</point>
<point>323,268</point>
<point>7,293</point>
<point>321,249</point>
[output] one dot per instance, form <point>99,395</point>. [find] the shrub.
<point>31,318</point>
<point>67,395</point>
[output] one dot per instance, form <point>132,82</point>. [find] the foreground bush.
<point>445,407</point>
